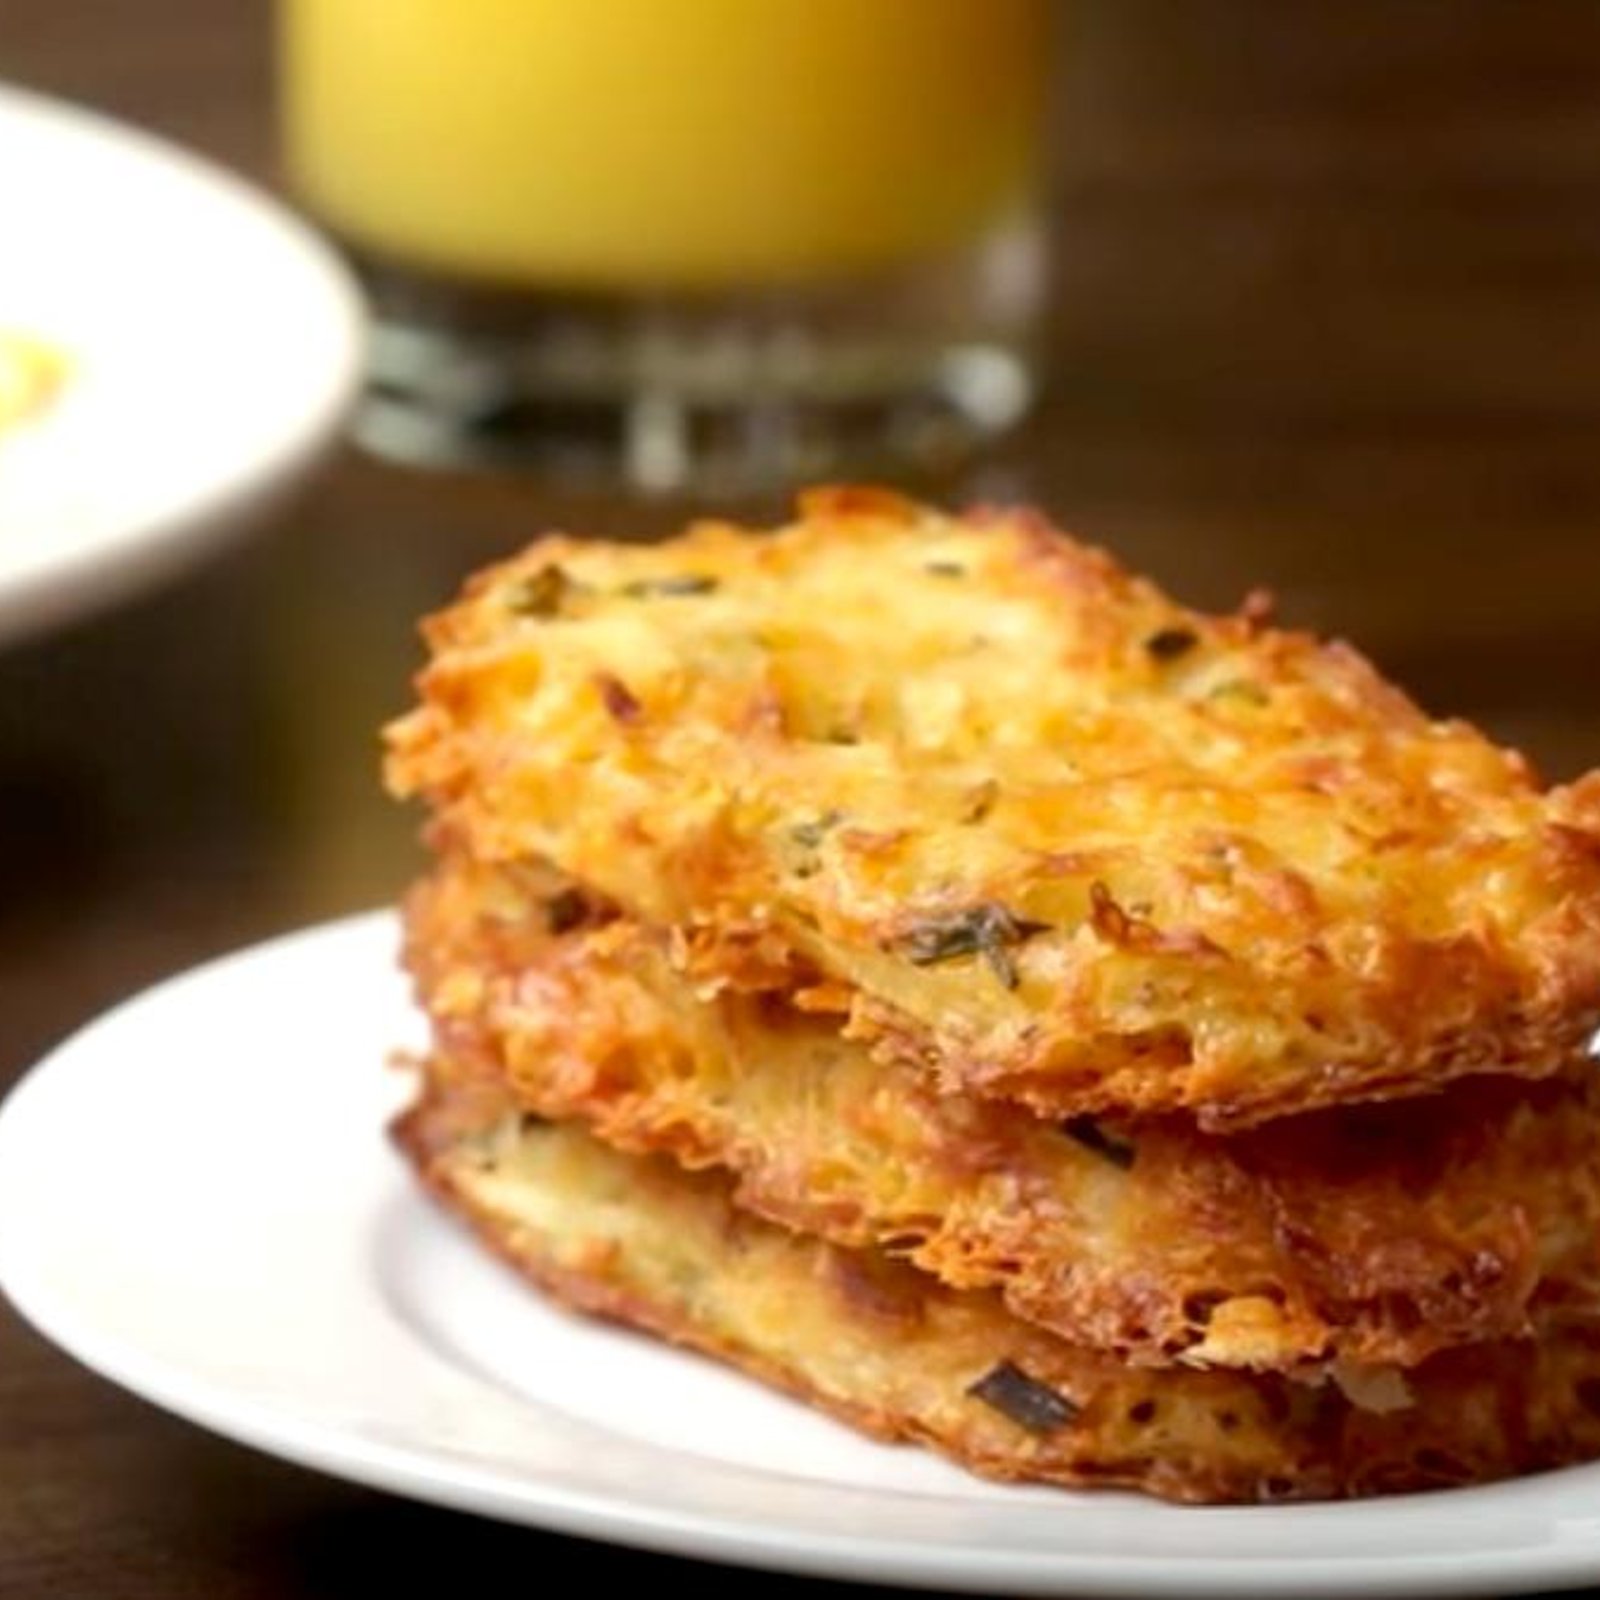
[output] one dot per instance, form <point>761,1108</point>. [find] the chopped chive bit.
<point>811,834</point>
<point>987,931</point>
<point>980,801</point>
<point>1168,644</point>
<point>1087,1132</point>
<point>672,584</point>
<point>1026,1401</point>
<point>1243,691</point>
<point>540,594</point>
<point>565,910</point>
<point>618,698</point>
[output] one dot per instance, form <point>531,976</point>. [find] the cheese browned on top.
<point>1021,816</point>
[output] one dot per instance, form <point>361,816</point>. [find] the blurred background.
<point>1323,314</point>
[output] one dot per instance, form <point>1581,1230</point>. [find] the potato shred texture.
<point>1049,833</point>
<point>890,1351</point>
<point>918,962</point>
<point>1370,1234</point>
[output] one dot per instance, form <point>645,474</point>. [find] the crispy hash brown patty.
<point>1366,1235</point>
<point>891,1351</point>
<point>1034,826</point>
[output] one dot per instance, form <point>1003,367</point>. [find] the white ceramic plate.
<point>196,1200</point>
<point>213,345</point>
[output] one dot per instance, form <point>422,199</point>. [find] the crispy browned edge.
<point>1482,1412</point>
<point>1363,1234</point>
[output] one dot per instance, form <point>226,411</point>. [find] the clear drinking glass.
<point>680,242</point>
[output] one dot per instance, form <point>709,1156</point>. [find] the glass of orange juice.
<point>681,243</point>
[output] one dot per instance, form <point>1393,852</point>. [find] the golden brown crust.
<point>1374,1235</point>
<point>1046,833</point>
<point>890,1351</point>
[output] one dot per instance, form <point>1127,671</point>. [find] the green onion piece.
<point>672,584</point>
<point>987,931</point>
<point>1024,1400</point>
<point>1087,1132</point>
<point>541,594</point>
<point>1169,643</point>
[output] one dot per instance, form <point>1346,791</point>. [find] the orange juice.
<point>662,144</point>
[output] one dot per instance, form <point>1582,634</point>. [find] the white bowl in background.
<point>212,342</point>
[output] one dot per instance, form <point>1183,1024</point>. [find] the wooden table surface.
<point>1328,318</point>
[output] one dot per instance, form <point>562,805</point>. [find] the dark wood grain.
<point>1328,318</point>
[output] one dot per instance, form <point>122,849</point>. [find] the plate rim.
<point>653,1523</point>
<point>141,552</point>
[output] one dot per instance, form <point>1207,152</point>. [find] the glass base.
<point>722,394</point>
